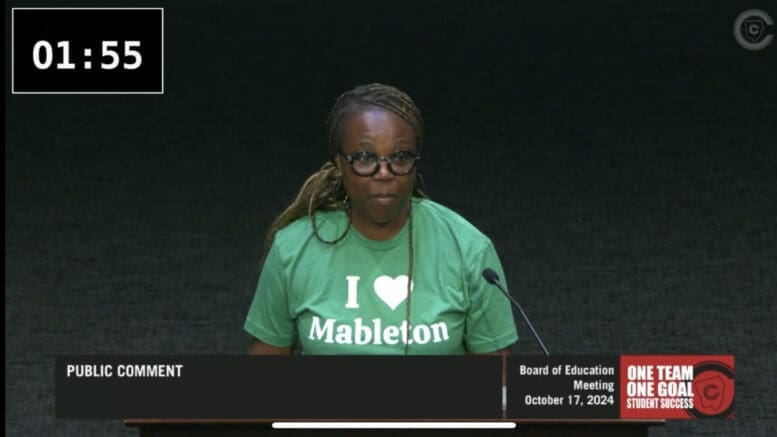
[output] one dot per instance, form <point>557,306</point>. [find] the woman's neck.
<point>380,231</point>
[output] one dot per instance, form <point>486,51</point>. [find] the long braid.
<point>409,275</point>
<point>322,191</point>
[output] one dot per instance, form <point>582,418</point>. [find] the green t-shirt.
<point>350,298</point>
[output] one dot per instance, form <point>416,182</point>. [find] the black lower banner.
<point>279,387</point>
<point>470,387</point>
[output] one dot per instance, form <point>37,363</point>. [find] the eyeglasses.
<point>366,164</point>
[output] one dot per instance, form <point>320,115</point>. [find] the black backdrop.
<point>620,154</point>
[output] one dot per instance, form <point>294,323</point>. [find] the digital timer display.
<point>43,56</point>
<point>87,51</point>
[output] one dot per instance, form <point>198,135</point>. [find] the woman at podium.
<point>363,262</point>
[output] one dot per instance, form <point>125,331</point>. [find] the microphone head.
<point>490,276</point>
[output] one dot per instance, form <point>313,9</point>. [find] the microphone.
<point>492,278</point>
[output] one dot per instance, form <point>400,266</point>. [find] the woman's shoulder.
<point>298,233</point>
<point>293,230</point>
<point>442,218</point>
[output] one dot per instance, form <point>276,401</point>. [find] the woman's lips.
<point>383,198</point>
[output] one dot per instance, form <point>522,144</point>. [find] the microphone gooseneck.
<point>493,278</point>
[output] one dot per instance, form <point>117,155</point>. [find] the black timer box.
<point>87,50</point>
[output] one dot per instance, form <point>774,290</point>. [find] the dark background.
<point>621,155</point>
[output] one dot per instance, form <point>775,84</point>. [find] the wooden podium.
<point>525,427</point>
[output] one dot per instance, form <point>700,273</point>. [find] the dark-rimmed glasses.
<point>366,164</point>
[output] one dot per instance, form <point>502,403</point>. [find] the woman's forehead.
<point>376,124</point>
